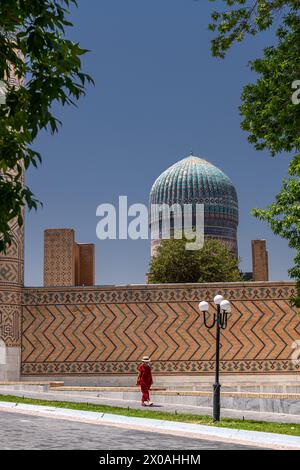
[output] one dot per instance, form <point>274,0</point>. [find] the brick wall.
<point>86,276</point>
<point>59,257</point>
<point>67,263</point>
<point>71,331</point>
<point>260,263</point>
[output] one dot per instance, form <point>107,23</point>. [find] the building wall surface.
<point>10,315</point>
<point>11,298</point>
<point>11,288</point>
<point>59,257</point>
<point>106,330</point>
<point>86,275</point>
<point>260,260</point>
<point>12,262</point>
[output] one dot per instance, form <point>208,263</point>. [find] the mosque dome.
<point>194,181</point>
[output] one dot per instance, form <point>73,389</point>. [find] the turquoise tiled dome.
<point>194,180</point>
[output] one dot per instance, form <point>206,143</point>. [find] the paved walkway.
<point>21,431</point>
<point>83,398</point>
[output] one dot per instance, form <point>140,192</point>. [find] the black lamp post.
<point>220,321</point>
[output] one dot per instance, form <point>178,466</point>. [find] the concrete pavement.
<point>23,431</point>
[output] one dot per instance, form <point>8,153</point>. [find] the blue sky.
<point>159,94</point>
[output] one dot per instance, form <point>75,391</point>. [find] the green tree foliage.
<point>270,117</point>
<point>33,47</point>
<point>174,263</point>
<point>284,216</point>
<point>246,17</point>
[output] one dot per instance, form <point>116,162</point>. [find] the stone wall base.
<point>176,381</point>
<point>10,371</point>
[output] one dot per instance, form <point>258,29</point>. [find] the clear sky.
<point>159,94</point>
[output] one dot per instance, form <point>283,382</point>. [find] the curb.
<point>198,431</point>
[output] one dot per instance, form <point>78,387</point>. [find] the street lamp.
<point>220,320</point>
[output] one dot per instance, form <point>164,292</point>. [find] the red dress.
<point>145,381</point>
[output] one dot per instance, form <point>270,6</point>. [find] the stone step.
<point>267,387</point>
<point>101,389</point>
<point>34,382</point>
<point>118,391</point>
<point>41,385</point>
<point>287,403</point>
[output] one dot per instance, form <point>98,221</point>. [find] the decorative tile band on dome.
<point>194,180</point>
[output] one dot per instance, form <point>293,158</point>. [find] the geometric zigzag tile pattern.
<point>10,315</point>
<point>107,331</point>
<point>11,288</point>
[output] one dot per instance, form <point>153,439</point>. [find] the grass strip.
<point>249,425</point>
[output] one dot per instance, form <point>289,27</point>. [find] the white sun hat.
<point>146,359</point>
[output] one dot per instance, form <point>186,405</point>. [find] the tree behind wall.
<point>174,263</point>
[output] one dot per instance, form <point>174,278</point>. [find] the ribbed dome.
<point>194,180</point>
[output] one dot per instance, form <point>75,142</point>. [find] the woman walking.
<point>145,380</point>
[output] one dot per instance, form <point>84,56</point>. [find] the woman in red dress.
<point>145,380</point>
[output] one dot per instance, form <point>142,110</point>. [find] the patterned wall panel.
<point>107,331</point>
<point>11,282</point>
<point>10,316</point>
<point>12,271</point>
<point>12,262</point>
<point>59,257</point>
